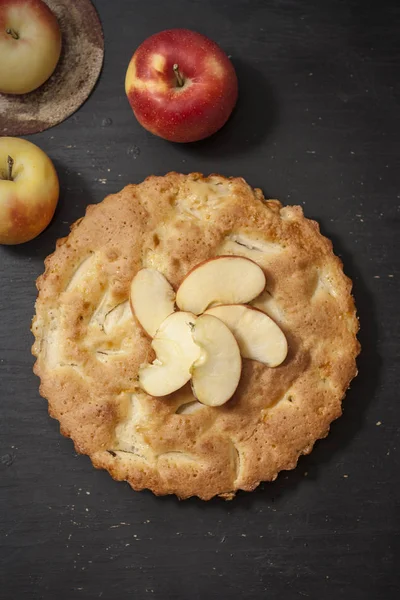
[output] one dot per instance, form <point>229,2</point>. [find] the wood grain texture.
<point>317,124</point>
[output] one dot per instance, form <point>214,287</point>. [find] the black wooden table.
<point>317,124</point>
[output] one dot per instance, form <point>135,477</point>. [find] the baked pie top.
<point>89,346</point>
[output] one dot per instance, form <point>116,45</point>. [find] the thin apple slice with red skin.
<point>258,336</point>
<point>216,373</point>
<point>220,280</point>
<point>152,299</point>
<point>175,351</point>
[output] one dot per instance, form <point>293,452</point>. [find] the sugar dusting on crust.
<point>89,348</point>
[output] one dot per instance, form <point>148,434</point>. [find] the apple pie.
<point>194,338</point>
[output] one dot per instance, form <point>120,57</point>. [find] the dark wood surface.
<point>317,124</point>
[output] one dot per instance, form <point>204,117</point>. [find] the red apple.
<point>181,85</point>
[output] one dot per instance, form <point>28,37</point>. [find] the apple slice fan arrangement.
<point>191,336</point>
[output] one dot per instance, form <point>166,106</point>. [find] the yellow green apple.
<point>29,190</point>
<point>30,45</point>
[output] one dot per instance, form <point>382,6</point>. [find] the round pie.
<point>90,347</point>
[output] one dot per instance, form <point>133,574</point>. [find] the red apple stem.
<point>10,163</point>
<point>13,33</point>
<point>179,79</point>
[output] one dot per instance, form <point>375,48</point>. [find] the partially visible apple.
<point>30,45</point>
<point>29,190</point>
<point>181,85</point>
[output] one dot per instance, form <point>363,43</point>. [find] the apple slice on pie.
<point>152,299</point>
<point>258,336</point>
<point>221,280</point>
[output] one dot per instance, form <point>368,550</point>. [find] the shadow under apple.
<point>253,119</point>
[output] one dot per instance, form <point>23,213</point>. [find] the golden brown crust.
<point>89,347</point>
